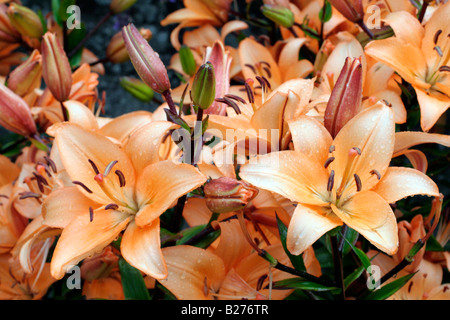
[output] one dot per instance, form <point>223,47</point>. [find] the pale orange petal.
<point>195,212</point>
<point>9,171</point>
<point>406,27</point>
<point>310,137</point>
<point>161,184</point>
<point>141,247</point>
<point>432,106</point>
<point>63,205</point>
<point>82,238</point>
<point>144,144</point>
<point>193,272</point>
<point>407,139</point>
<point>307,225</point>
<point>81,115</point>
<point>399,183</point>
<point>371,215</point>
<point>284,173</point>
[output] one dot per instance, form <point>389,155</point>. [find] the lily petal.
<point>82,238</point>
<point>407,139</point>
<point>307,225</point>
<point>141,247</point>
<point>161,184</point>
<point>193,272</point>
<point>432,106</point>
<point>406,27</point>
<point>399,183</point>
<point>284,173</point>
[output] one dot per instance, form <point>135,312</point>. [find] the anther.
<point>267,70</point>
<point>265,63</point>
<point>250,95</point>
<point>331,149</point>
<point>51,164</point>
<point>260,282</point>
<point>121,178</point>
<point>358,150</point>
<point>91,214</point>
<point>40,178</point>
<point>25,195</point>
<point>358,182</point>
<point>94,166</point>
<point>444,68</point>
<point>251,67</point>
<point>330,181</point>
<point>261,82</point>
<point>82,185</point>
<point>109,167</point>
<point>234,97</point>
<point>267,82</point>
<point>377,173</point>
<point>111,206</point>
<point>328,161</point>
<point>436,36</point>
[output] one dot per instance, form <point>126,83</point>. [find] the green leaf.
<point>351,236</point>
<point>298,283</point>
<point>132,281</point>
<point>353,276</point>
<point>297,261</point>
<point>73,38</point>
<point>433,245</point>
<point>325,16</point>
<point>188,233</point>
<point>389,289</point>
<point>361,255</point>
<point>55,10</point>
<point>175,118</point>
<point>62,10</point>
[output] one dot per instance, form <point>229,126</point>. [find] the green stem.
<point>338,267</point>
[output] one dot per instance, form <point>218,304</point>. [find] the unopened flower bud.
<point>116,51</point>
<point>56,68</point>
<point>7,32</point>
<point>280,15</point>
<point>117,6</point>
<point>351,9</point>
<point>203,90</point>
<point>25,20</point>
<point>137,88</point>
<point>100,265</point>
<point>345,99</point>
<point>145,60</point>
<point>187,60</point>
<point>15,114</point>
<point>27,76</point>
<point>225,194</point>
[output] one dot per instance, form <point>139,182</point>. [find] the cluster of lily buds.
<point>25,21</point>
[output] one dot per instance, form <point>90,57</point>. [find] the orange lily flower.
<point>16,284</point>
<point>425,67</point>
<point>354,186</point>
<point>116,189</point>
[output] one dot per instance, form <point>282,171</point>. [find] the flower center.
<point>440,67</point>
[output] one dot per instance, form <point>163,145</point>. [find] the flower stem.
<point>89,35</point>
<point>168,97</point>
<point>366,29</point>
<point>338,267</point>
<point>423,10</point>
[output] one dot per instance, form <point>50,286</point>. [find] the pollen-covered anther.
<point>377,173</point>
<point>51,164</point>
<point>248,87</point>
<point>436,36</point>
<point>111,206</point>
<point>91,214</point>
<point>354,152</point>
<point>121,177</point>
<point>444,69</point>
<point>94,166</point>
<point>330,181</point>
<point>331,149</point>
<point>81,184</point>
<point>358,182</point>
<point>26,195</point>
<point>109,167</point>
<point>328,161</point>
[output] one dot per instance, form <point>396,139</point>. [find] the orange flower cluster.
<point>278,166</point>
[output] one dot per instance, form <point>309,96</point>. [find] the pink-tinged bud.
<point>7,32</point>
<point>225,194</point>
<point>146,61</point>
<point>117,6</point>
<point>408,234</point>
<point>25,20</point>
<point>116,51</point>
<point>351,9</point>
<point>346,97</point>
<point>56,68</point>
<point>27,76</point>
<point>15,114</point>
<point>100,265</point>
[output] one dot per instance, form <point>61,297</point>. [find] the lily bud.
<point>116,51</point>
<point>345,99</point>
<point>280,15</point>
<point>56,68</point>
<point>25,20</point>
<point>117,6</point>
<point>409,233</point>
<point>225,194</point>
<point>137,88</point>
<point>27,76</point>
<point>100,265</point>
<point>351,9</point>
<point>203,90</point>
<point>187,60</point>
<point>15,114</point>
<point>7,32</point>
<point>145,60</point>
